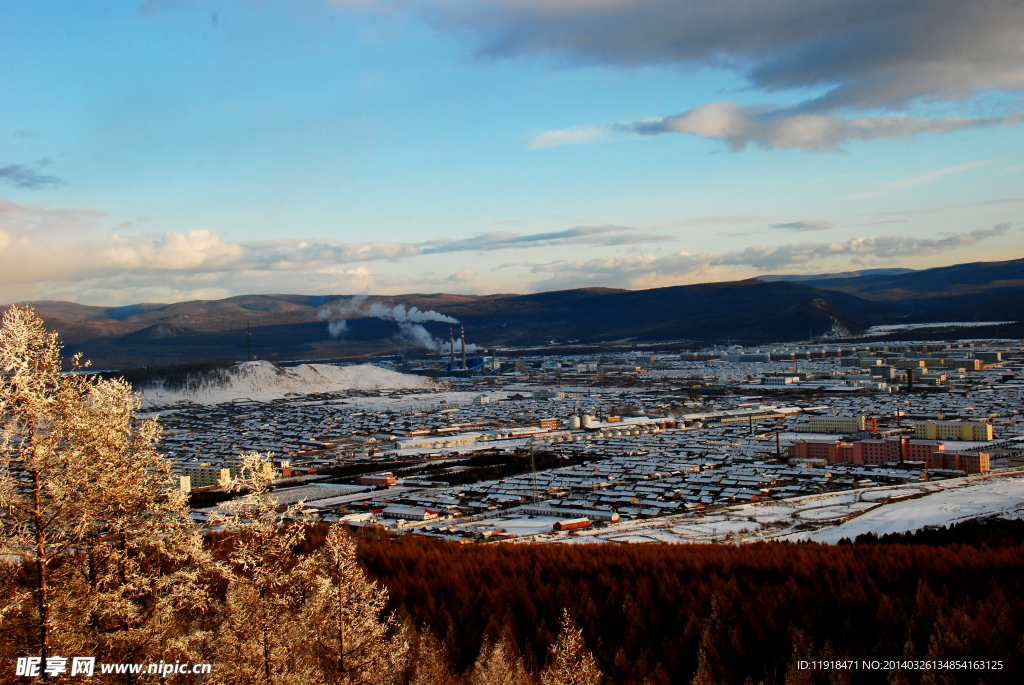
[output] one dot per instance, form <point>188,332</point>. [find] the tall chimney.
<point>451,343</point>
<point>463,346</point>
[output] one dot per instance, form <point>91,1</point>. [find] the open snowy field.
<point>829,517</point>
<point>976,499</point>
<point>521,527</point>
<point>263,381</point>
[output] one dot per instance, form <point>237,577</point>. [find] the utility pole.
<point>533,470</point>
<point>778,447</point>
<point>248,342</point>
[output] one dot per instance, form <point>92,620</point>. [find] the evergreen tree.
<point>45,481</point>
<point>430,664</point>
<point>262,631</point>
<point>140,584</point>
<point>348,638</point>
<point>499,663</point>
<point>571,662</point>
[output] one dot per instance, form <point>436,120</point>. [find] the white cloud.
<point>769,128</point>
<point>579,235</point>
<point>804,225</point>
<point>893,186</point>
<point>46,253</point>
<point>27,220</point>
<point>579,135</point>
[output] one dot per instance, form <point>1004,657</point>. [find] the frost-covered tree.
<point>350,638</point>
<point>110,554</point>
<point>107,561</point>
<point>139,583</point>
<point>571,663</point>
<point>499,663</point>
<point>430,664</point>
<point>261,636</point>
<point>41,481</point>
<point>298,619</point>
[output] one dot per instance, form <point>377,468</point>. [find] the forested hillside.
<point>651,611</point>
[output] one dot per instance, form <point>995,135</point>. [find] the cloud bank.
<point>863,53</point>
<point>852,63</point>
<point>649,270</point>
<point>47,252</point>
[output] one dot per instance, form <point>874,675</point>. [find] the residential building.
<point>841,425</point>
<point>953,430</point>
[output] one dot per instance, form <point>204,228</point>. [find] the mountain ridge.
<point>754,311</point>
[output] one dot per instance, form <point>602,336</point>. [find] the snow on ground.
<point>829,517</point>
<point>263,381</point>
<point>892,328</point>
<point>316,493</point>
<point>990,497</point>
<point>520,526</point>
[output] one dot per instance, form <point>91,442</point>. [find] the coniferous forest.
<point>723,613</point>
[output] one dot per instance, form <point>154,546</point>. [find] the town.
<point>602,440</point>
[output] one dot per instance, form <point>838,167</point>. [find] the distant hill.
<point>800,278</point>
<point>295,327</point>
<point>988,278</point>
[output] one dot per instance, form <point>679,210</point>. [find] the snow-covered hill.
<point>264,381</point>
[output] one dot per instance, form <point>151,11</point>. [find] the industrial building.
<point>408,513</point>
<point>378,480</point>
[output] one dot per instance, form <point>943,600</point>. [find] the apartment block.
<point>840,424</point>
<point>953,430</point>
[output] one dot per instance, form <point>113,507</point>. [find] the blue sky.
<point>163,151</point>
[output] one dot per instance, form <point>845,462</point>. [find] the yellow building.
<point>838,425</point>
<point>953,430</point>
<point>206,475</point>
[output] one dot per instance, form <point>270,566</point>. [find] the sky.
<point>169,150</point>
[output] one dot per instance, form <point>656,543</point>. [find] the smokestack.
<point>451,343</point>
<point>463,346</point>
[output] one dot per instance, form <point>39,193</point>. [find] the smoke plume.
<point>401,315</point>
<point>337,315</point>
<point>445,348</point>
<point>409,322</point>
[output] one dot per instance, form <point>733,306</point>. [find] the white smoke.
<point>409,322</point>
<point>418,335</point>
<point>445,347</point>
<point>337,326</point>
<point>401,315</point>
